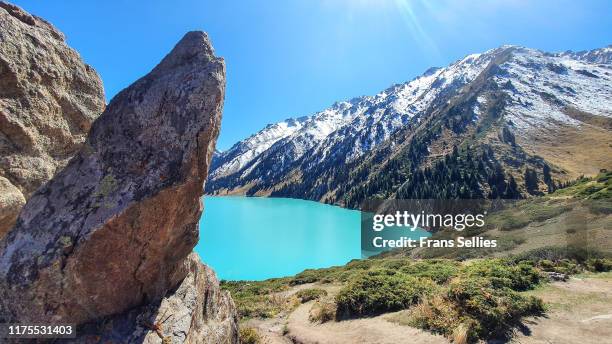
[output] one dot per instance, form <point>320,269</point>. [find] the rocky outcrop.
<point>111,232</point>
<point>48,100</point>
<point>196,312</point>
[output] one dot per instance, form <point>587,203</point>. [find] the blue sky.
<point>289,58</point>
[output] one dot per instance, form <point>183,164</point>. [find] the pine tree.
<point>548,178</point>
<point>531,180</point>
<point>512,191</point>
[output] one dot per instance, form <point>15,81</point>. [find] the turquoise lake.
<point>256,238</point>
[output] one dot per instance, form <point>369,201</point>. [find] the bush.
<point>494,310</point>
<point>505,274</point>
<point>396,264</point>
<point>436,314</point>
<point>306,276</point>
<point>249,335</point>
<point>472,309</point>
<point>439,271</point>
<point>306,295</point>
<point>566,266</point>
<point>322,311</point>
<point>379,292</point>
<point>598,264</point>
<point>567,260</point>
<point>361,264</point>
<point>261,306</point>
<point>557,253</point>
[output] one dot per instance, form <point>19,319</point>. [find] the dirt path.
<point>273,331</point>
<point>580,311</point>
<point>371,330</point>
<point>270,330</point>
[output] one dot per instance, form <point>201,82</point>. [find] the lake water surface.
<point>255,238</point>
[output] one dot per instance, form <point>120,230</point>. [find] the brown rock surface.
<point>111,231</point>
<point>11,202</point>
<point>48,100</point>
<point>197,312</point>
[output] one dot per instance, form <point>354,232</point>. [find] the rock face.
<point>196,312</point>
<point>112,230</point>
<point>48,100</point>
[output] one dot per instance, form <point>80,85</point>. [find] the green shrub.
<point>249,335</point>
<point>257,299</point>
<point>568,260</point>
<point>472,309</point>
<point>494,310</point>
<point>379,292</point>
<point>439,271</point>
<point>599,264</point>
<point>260,306</point>
<point>310,294</point>
<point>437,314</point>
<point>396,264</point>
<point>566,266</point>
<point>306,276</point>
<point>361,264</point>
<point>505,274</point>
<point>556,253</point>
<point>547,265</point>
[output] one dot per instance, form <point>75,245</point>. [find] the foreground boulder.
<point>112,230</point>
<point>48,100</point>
<point>198,311</point>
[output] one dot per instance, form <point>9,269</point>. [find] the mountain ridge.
<point>540,91</point>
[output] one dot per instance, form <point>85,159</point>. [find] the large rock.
<point>48,100</point>
<point>111,231</point>
<point>197,311</point>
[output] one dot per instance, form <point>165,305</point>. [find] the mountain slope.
<point>505,123</point>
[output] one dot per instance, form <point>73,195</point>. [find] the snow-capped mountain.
<point>372,118</point>
<point>600,56</point>
<point>244,151</point>
<point>528,92</point>
<point>543,86</point>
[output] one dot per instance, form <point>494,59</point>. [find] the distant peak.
<point>431,71</point>
<point>599,55</point>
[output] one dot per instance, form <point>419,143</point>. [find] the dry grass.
<point>581,151</point>
<point>322,311</point>
<point>460,334</point>
<point>249,335</point>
